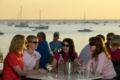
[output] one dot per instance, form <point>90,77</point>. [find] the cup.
<point>69,67</point>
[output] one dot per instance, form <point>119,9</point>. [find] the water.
<point>67,29</point>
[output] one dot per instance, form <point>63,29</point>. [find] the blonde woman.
<point>30,56</point>
<point>13,64</point>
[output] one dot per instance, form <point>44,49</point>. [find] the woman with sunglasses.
<point>30,56</point>
<point>68,52</point>
<point>100,61</point>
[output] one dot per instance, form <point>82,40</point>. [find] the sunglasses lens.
<point>35,42</point>
<point>65,45</point>
<point>91,44</point>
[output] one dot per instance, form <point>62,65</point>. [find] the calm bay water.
<point>66,29</point>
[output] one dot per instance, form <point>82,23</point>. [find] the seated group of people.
<point>28,56</point>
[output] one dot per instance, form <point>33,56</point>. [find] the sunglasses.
<point>35,42</point>
<point>65,45</point>
<point>91,44</point>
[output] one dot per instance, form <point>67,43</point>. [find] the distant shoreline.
<point>59,20</point>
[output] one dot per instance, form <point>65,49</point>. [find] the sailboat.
<point>11,24</point>
<point>85,29</point>
<point>41,26</point>
<point>22,24</point>
<point>1,33</point>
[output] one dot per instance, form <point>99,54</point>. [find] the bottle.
<point>60,65</point>
<point>88,72</point>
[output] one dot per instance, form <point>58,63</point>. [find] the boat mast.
<point>40,16</point>
<point>21,13</point>
<point>84,19</point>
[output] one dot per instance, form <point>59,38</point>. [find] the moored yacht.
<point>22,24</point>
<point>41,27</point>
<point>1,33</point>
<point>85,30</point>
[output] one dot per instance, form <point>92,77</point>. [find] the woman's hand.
<point>54,70</point>
<point>43,71</point>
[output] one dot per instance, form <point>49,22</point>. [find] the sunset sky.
<point>60,9</point>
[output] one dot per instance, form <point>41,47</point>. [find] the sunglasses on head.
<point>65,45</point>
<point>91,44</point>
<point>35,42</point>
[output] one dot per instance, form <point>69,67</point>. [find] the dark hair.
<point>115,41</point>
<point>71,48</point>
<point>100,47</point>
<point>42,35</point>
<point>109,35</point>
<point>101,36</point>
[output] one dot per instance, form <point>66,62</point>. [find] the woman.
<point>13,64</point>
<point>30,56</point>
<point>100,61</point>
<point>68,52</point>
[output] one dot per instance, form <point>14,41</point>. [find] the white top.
<point>30,60</point>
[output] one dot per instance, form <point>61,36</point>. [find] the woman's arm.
<point>54,63</point>
<point>76,64</point>
<point>76,61</point>
<point>20,72</point>
<point>37,64</point>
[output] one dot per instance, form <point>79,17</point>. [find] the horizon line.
<point>59,19</point>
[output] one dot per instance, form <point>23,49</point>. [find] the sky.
<point>60,9</point>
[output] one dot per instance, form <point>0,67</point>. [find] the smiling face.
<point>33,44</point>
<point>65,47</point>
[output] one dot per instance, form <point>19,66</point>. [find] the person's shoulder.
<point>87,46</point>
<point>118,50</point>
<point>102,54</point>
<point>60,42</point>
<point>24,52</point>
<point>51,42</point>
<point>11,54</point>
<point>45,42</point>
<point>36,52</point>
<point>76,53</point>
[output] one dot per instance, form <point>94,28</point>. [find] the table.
<point>53,76</point>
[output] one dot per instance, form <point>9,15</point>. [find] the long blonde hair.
<point>17,43</point>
